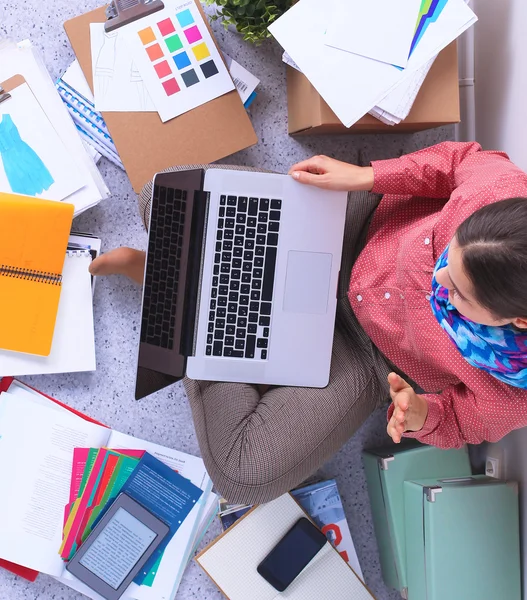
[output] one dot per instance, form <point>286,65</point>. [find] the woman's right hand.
<point>331,174</point>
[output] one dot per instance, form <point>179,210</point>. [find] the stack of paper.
<point>46,132</point>
<point>369,56</point>
<point>39,452</point>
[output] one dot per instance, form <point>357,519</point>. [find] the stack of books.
<point>64,471</point>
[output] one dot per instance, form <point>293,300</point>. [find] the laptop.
<point>241,280</point>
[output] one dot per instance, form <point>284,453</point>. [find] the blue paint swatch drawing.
<point>25,171</point>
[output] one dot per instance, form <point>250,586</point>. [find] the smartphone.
<point>292,553</point>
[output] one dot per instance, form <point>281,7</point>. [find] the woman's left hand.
<point>410,409</point>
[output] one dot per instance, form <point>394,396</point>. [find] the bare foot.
<point>121,261</point>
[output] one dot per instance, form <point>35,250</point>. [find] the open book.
<point>37,439</point>
<point>231,560</point>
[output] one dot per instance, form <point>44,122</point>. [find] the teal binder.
<point>462,539</point>
<point>386,472</point>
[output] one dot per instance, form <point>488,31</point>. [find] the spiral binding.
<point>30,275</point>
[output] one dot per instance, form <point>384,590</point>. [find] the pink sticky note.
<point>80,458</point>
<point>84,504</point>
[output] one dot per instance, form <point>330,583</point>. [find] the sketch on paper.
<point>33,159</point>
<point>24,169</point>
<point>117,83</point>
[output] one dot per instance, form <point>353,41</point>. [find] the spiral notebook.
<point>33,241</point>
<point>232,559</point>
<point>73,347</point>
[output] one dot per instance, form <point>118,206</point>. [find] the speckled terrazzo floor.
<point>165,417</point>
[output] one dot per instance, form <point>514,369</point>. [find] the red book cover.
<point>29,574</point>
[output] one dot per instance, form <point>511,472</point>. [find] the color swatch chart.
<point>182,39</point>
<point>178,60</point>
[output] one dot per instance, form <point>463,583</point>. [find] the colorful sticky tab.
<point>166,27</point>
<point>163,69</point>
<point>185,18</point>
<point>209,68</point>
<point>182,60</point>
<point>190,77</point>
<point>201,51</point>
<point>193,34</point>
<point>171,87</point>
<point>147,35</point>
<point>154,52</point>
<point>173,43</point>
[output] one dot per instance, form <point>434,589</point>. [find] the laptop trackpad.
<point>307,282</point>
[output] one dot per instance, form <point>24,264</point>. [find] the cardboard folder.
<point>145,144</point>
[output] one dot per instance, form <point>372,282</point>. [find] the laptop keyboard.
<point>163,265</point>
<point>243,277</point>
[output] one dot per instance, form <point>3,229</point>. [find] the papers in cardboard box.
<point>351,84</point>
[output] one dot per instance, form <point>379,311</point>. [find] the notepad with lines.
<point>33,240</point>
<point>232,559</point>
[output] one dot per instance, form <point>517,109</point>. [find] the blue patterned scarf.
<point>501,350</point>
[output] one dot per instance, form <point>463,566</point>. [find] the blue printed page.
<point>166,494</point>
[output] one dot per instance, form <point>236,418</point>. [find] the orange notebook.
<point>33,241</point>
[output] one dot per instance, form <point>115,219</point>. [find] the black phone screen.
<point>292,553</point>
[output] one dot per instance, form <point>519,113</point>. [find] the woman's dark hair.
<point>493,241</point>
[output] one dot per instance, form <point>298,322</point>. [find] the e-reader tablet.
<point>118,547</point>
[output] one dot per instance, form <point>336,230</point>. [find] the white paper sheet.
<point>33,159</point>
<point>177,59</point>
<point>36,454</point>
<point>117,84</point>
<point>349,83</point>
<point>378,29</point>
<point>24,60</point>
<point>244,80</point>
<point>73,347</point>
<point>74,77</point>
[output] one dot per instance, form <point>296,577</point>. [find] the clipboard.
<point>146,145</point>
<point>9,85</point>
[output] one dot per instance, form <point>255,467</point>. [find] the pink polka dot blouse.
<point>426,195</point>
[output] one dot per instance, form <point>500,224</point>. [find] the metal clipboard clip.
<point>4,95</point>
<point>123,12</point>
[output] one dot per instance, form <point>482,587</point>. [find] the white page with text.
<point>36,455</point>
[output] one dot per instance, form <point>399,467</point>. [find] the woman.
<point>437,285</point>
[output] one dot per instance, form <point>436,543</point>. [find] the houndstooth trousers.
<point>256,447</point>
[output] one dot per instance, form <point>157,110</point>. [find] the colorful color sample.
<point>192,34</point>
<point>173,43</point>
<point>209,69</point>
<point>428,13</point>
<point>182,60</point>
<point>201,51</point>
<point>25,171</point>
<point>147,35</point>
<point>185,18</point>
<point>166,27</point>
<point>171,87</point>
<point>163,69</point>
<point>154,52</point>
<point>190,77</point>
